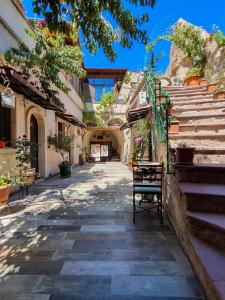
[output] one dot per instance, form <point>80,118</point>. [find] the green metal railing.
<point>160,105</point>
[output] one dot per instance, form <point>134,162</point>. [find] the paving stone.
<point>139,268</point>
<point>99,228</point>
<point>31,267</point>
<point>89,255</point>
<point>24,297</point>
<point>101,268</point>
<point>142,255</point>
<point>17,284</point>
<point>63,228</point>
<point>143,227</point>
<point>74,285</point>
<point>55,244</point>
<point>31,255</point>
<point>86,245</point>
<point>167,286</point>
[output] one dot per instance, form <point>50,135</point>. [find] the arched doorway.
<point>104,144</point>
<point>34,140</point>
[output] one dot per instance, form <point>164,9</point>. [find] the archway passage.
<point>34,140</point>
<point>104,144</point>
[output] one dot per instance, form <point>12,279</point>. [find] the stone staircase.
<point>202,122</point>
<point>202,187</point>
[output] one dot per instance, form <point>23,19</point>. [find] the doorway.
<point>34,141</point>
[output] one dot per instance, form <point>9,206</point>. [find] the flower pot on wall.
<point>4,194</point>
<point>219,95</point>
<point>192,81</point>
<point>174,127</point>
<point>211,87</point>
<point>185,156</point>
<point>65,170</point>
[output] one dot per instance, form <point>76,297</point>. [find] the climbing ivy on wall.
<point>105,106</point>
<point>48,58</point>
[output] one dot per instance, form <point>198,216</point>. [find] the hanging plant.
<point>47,59</point>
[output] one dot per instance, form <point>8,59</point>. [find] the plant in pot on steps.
<point>193,76</point>
<point>184,154</point>
<point>23,156</point>
<point>62,144</point>
<point>211,81</point>
<point>174,125</point>
<point>219,93</point>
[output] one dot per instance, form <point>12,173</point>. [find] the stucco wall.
<point>12,31</point>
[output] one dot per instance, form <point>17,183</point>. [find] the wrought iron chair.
<point>147,180</point>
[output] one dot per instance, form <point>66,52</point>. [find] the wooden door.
<point>34,140</point>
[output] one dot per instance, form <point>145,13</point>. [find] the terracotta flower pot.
<point>219,95</point>
<point>4,194</point>
<point>192,81</point>
<point>174,127</point>
<point>2,144</point>
<point>185,156</point>
<point>211,87</point>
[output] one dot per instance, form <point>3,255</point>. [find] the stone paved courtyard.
<point>75,240</point>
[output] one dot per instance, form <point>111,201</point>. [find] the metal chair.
<point>147,180</point>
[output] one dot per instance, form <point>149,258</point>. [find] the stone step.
<point>177,109</point>
<point>209,227</point>
<point>207,261</point>
<point>202,118</point>
<point>201,173</point>
<point>200,112</point>
<point>184,88</point>
<point>204,197</point>
<point>203,145</point>
<point>199,136</point>
<point>190,94</point>
<point>210,128</point>
<point>204,157</point>
<point>197,102</point>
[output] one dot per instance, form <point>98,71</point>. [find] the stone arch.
<point>115,122</point>
<point>37,113</point>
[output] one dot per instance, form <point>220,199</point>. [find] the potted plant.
<point>62,144</point>
<point>219,92</point>
<point>5,181</point>
<point>211,81</point>
<point>174,125</point>
<point>23,155</point>
<point>193,77</point>
<point>184,154</point>
<point>3,143</point>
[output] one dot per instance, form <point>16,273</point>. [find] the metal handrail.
<point>160,104</point>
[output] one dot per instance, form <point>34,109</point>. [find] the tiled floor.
<point>76,241</point>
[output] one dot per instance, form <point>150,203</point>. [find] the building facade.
<point>27,111</point>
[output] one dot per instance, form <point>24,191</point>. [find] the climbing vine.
<point>51,54</point>
<point>105,106</point>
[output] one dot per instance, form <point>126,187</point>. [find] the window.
<point>5,123</point>
<point>101,86</point>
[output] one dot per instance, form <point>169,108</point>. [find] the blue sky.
<point>203,13</point>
